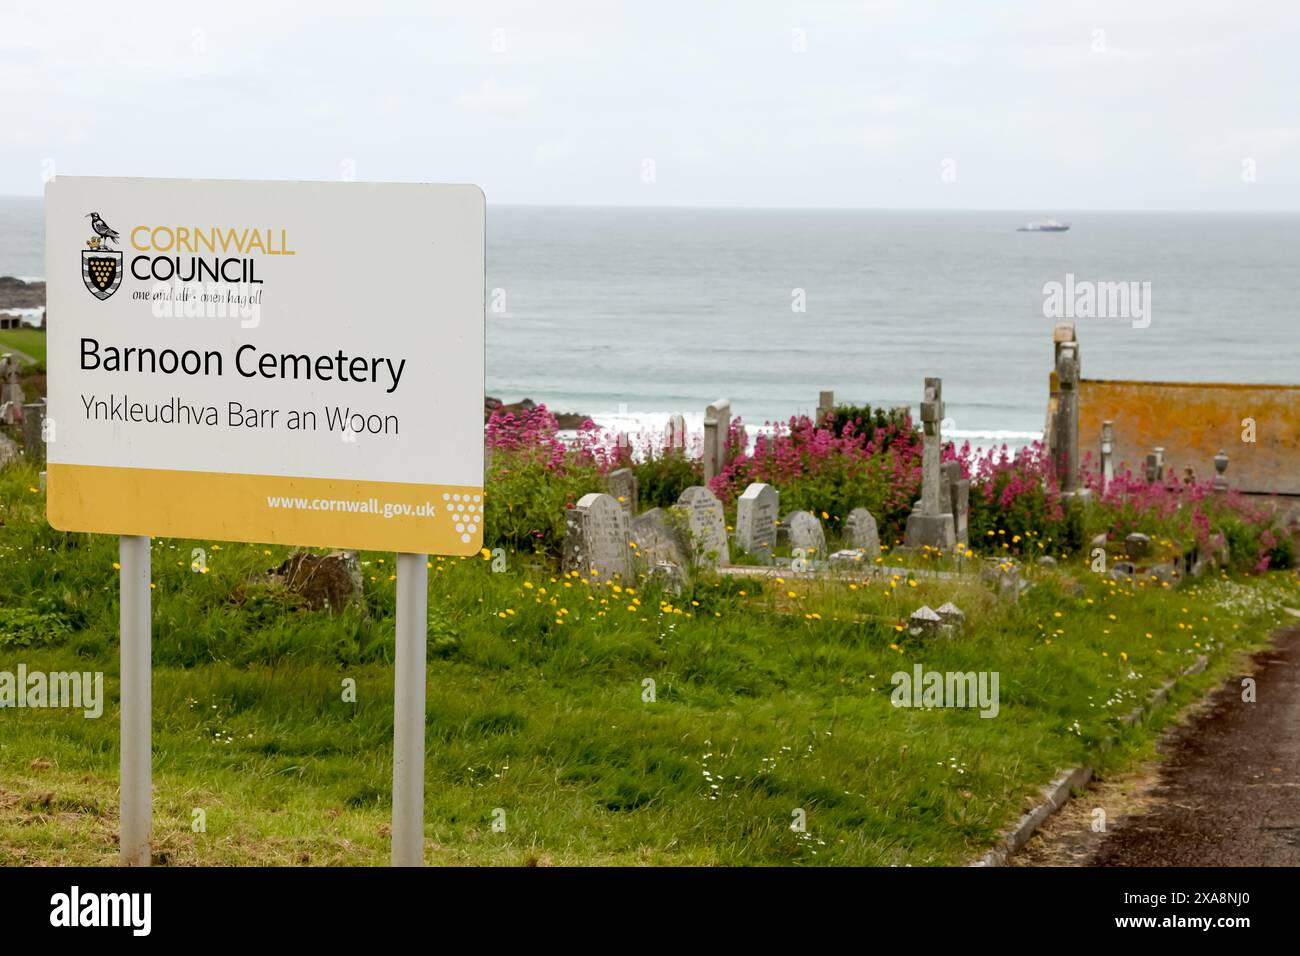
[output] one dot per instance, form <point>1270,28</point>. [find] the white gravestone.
<point>756,519</point>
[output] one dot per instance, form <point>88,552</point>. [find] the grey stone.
<point>756,519</point>
<point>953,616</point>
<point>623,487</point>
<point>1122,571</point>
<point>33,430</point>
<point>707,525</point>
<point>322,580</point>
<point>717,428</point>
<point>931,524</point>
<point>596,538</point>
<point>1164,573</point>
<point>1004,575</point>
<point>850,557</point>
<point>669,576</point>
<point>1047,561</point>
<point>9,453</point>
<point>825,407</point>
<point>802,531</point>
<point>1137,545</point>
<point>924,621</point>
<point>860,532</point>
<point>1066,428</point>
<point>659,539</point>
<point>676,436</point>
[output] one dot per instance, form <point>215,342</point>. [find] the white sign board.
<point>298,363</point>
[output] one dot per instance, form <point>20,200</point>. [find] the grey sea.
<point>631,314</point>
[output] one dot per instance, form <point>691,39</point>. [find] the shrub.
<point>662,476</point>
<point>830,473</point>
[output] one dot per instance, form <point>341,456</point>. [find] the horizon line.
<point>1063,210</point>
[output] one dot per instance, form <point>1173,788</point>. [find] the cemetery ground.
<point>771,695</point>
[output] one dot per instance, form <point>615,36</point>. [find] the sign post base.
<point>136,800</point>
<point>408,709</point>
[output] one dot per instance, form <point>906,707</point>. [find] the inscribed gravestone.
<point>657,539</point>
<point>707,526</point>
<point>860,532</point>
<point>623,486</point>
<point>802,530</point>
<point>595,538</point>
<point>756,518</point>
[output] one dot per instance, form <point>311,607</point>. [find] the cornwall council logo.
<point>101,267</point>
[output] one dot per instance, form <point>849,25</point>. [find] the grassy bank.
<point>771,696</point>
<point>28,341</point>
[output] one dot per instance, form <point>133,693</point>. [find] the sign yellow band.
<point>318,512</point>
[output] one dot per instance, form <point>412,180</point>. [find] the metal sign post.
<point>136,803</point>
<point>408,709</point>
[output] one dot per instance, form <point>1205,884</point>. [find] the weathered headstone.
<point>860,532</point>
<point>717,428</point>
<point>11,393</point>
<point>756,519</point>
<point>802,531</point>
<point>658,539</point>
<point>1107,454</point>
<point>954,494</point>
<point>8,452</point>
<point>34,430</point>
<point>669,576</point>
<point>931,522</point>
<point>1137,545</point>
<point>322,580</point>
<point>708,527</point>
<point>623,486</point>
<point>596,538</point>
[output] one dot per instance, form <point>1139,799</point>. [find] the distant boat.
<point>1045,225</point>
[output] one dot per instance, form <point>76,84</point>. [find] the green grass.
<point>771,696</point>
<point>31,341</point>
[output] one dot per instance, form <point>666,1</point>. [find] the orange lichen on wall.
<point>1192,422</point>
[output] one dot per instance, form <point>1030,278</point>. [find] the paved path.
<point>1227,793</point>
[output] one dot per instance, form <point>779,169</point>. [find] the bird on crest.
<point>102,229</point>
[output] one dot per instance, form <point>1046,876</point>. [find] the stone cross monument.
<point>927,524</point>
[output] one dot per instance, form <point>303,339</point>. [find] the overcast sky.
<point>1042,104</point>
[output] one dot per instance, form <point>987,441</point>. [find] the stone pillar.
<point>1066,429</point>
<point>1107,454</point>
<point>676,438</point>
<point>931,523</point>
<point>825,406</point>
<point>717,425</point>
